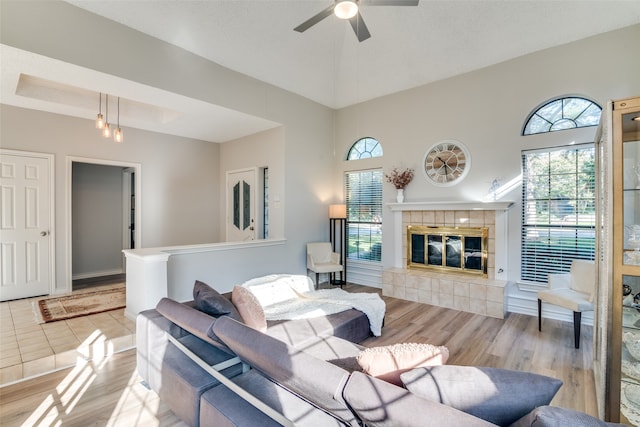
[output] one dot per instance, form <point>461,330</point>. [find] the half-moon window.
<point>365,148</point>
<point>561,114</point>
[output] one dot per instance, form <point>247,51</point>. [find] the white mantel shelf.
<point>450,206</point>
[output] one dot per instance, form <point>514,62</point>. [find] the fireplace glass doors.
<point>455,249</point>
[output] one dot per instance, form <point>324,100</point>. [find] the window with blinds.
<point>558,210</point>
<point>363,197</point>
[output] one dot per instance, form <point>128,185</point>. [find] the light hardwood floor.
<point>109,393</point>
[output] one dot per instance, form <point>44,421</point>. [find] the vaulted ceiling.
<point>409,46</point>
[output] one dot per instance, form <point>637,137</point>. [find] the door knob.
<point>44,233</point>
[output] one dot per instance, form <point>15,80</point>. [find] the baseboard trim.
<point>95,274</point>
<point>525,302</point>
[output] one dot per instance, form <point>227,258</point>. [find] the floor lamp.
<point>338,238</point>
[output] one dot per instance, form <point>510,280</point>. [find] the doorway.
<point>103,219</point>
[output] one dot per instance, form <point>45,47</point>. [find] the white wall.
<point>180,188</point>
<point>486,110</point>
<point>179,177</point>
<point>262,150</point>
<point>97,224</point>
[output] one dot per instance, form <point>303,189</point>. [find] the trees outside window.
<point>558,210</point>
<point>363,190</point>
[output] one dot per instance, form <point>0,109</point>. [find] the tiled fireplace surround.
<point>464,292</point>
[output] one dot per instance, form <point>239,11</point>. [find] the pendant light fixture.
<point>102,122</point>
<point>117,135</point>
<point>106,132</point>
<point>100,118</point>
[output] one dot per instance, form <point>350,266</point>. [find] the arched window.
<point>365,148</point>
<point>562,113</point>
<point>363,197</point>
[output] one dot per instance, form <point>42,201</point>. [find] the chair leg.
<point>539,314</point>
<point>577,320</point>
<point>317,280</point>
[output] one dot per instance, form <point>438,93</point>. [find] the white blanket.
<point>290,297</point>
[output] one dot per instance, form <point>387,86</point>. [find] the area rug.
<point>82,304</point>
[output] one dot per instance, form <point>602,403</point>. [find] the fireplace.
<point>448,249</point>
<point>481,291</point>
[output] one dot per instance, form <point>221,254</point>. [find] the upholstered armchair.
<point>573,290</point>
<point>322,259</point>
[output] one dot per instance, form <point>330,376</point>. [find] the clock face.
<point>446,163</point>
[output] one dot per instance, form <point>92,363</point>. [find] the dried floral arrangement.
<point>399,179</point>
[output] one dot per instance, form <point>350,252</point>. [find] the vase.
<point>400,195</point>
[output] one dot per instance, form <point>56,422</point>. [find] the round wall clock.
<point>446,163</point>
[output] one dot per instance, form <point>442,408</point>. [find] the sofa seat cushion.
<point>551,416</point>
<point>151,343</point>
<point>222,407</point>
<point>182,381</point>
<point>318,381</point>
<point>379,403</point>
<point>351,325</point>
<point>497,395</point>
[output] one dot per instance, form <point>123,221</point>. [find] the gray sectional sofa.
<point>219,372</point>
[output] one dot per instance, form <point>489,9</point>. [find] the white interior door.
<point>241,205</point>
<point>25,216</point>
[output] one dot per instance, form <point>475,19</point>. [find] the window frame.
<point>360,224</point>
<point>564,100</point>
<point>356,152</point>
<point>536,260</point>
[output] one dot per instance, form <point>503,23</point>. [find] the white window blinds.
<point>558,210</point>
<point>363,196</point>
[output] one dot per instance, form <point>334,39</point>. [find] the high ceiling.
<point>409,46</point>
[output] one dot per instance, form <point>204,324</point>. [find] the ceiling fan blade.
<point>359,27</point>
<point>391,2</point>
<point>314,19</point>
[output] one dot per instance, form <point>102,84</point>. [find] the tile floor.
<point>29,349</point>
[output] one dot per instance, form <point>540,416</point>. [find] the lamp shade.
<point>337,211</point>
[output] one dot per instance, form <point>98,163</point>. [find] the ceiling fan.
<point>348,9</point>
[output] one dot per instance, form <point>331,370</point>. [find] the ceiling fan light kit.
<point>349,9</point>
<point>345,9</point>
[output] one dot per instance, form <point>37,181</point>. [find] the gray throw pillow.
<point>499,396</point>
<point>210,301</point>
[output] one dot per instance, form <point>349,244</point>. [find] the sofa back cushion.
<point>379,403</point>
<point>500,396</point>
<point>191,320</point>
<point>315,380</point>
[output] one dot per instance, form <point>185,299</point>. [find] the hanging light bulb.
<point>106,132</point>
<point>117,135</point>
<point>100,119</point>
